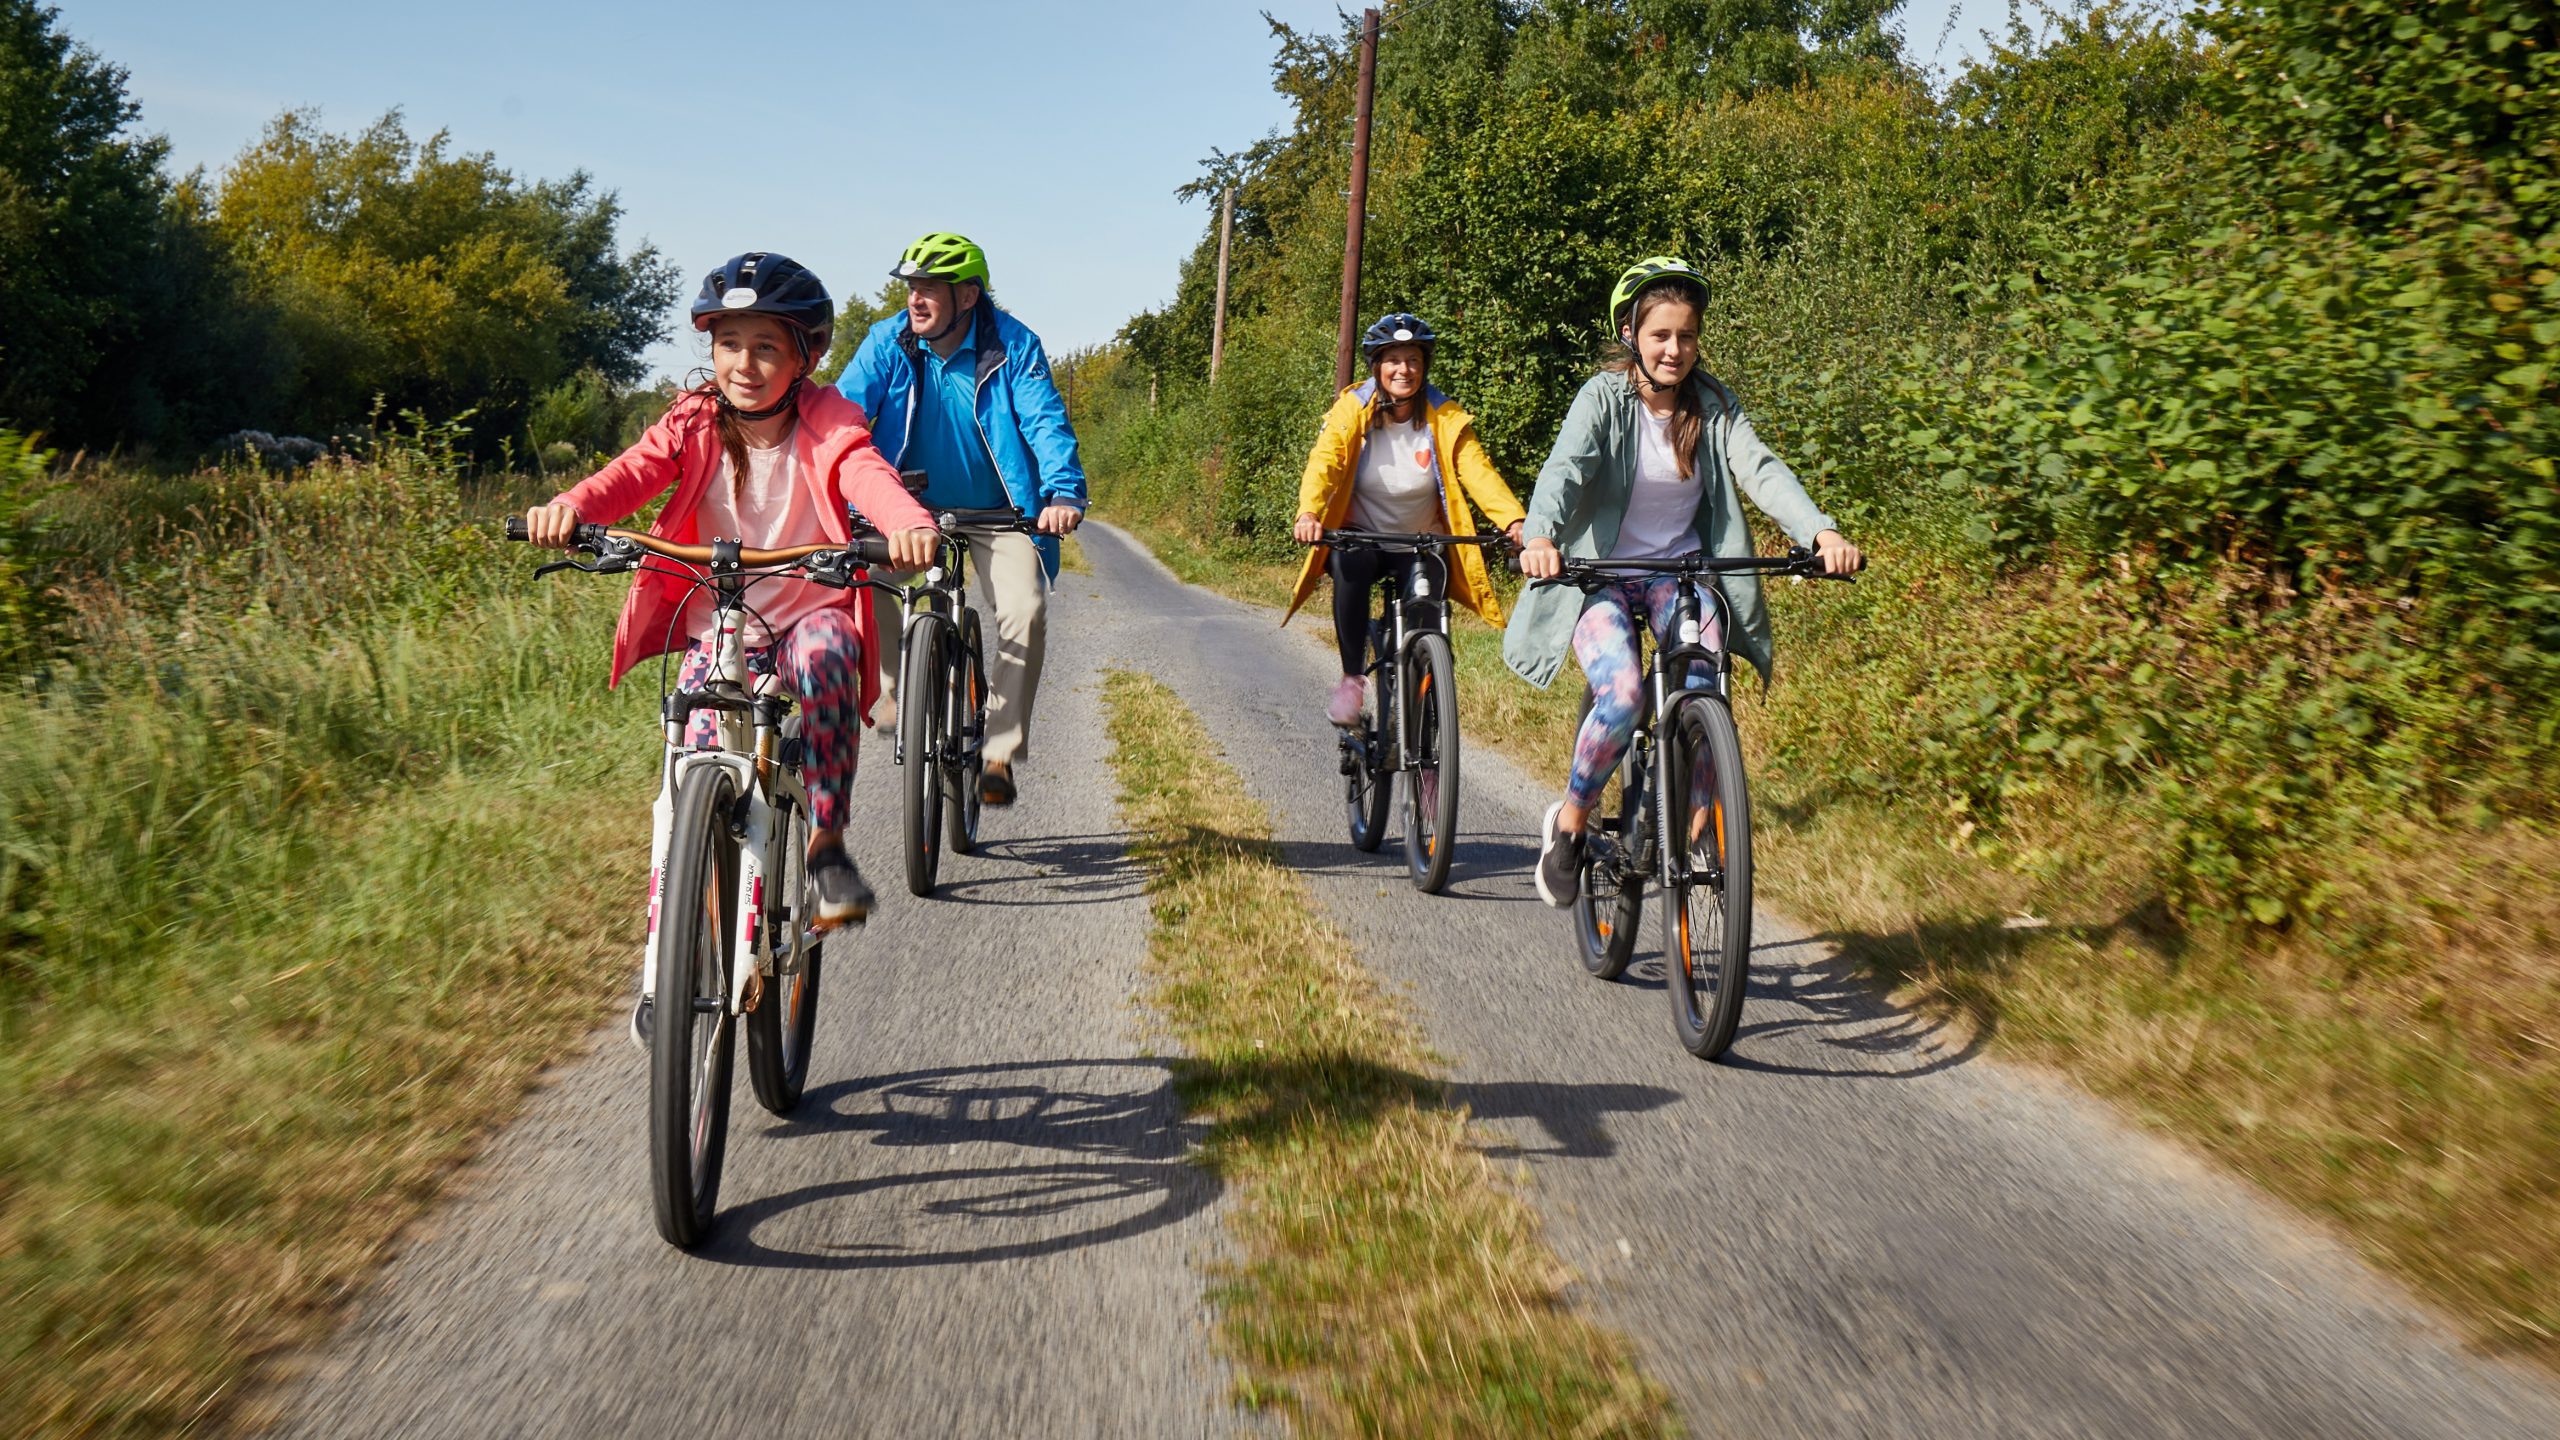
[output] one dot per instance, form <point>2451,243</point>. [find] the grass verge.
<point>1389,1283</point>
<point>299,903</point>
<point>2401,1083</point>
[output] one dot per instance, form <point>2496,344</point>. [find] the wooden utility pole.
<point>1348,336</point>
<point>1218,325</point>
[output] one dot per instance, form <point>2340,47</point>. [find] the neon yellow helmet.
<point>943,255</point>
<point>1646,272</point>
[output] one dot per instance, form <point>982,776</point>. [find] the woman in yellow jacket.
<point>1390,447</point>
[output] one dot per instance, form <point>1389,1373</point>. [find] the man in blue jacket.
<point>959,389</point>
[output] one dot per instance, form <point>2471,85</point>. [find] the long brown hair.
<point>1688,416</point>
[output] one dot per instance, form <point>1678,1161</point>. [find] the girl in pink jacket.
<point>760,456</point>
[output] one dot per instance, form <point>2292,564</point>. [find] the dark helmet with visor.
<point>1397,329</point>
<point>761,282</point>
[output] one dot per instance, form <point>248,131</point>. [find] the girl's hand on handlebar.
<point>1307,531</point>
<point>913,549</point>
<point>551,526</point>
<point>1540,559</point>
<point>1839,557</point>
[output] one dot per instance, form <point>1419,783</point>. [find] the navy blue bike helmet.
<point>763,283</point>
<point>1397,329</point>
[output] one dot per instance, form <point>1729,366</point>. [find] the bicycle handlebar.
<point>1799,562</point>
<point>1376,539</point>
<point>621,550</point>
<point>993,518</point>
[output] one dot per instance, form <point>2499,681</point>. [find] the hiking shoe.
<point>995,785</point>
<point>841,894</point>
<point>1348,696</point>
<point>1559,862</point>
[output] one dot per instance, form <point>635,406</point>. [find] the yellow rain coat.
<point>1326,491</point>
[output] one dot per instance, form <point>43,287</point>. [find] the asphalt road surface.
<point>981,1221</point>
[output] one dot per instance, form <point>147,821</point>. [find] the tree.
<point>79,202</point>
<point>857,316</point>
<point>431,278</point>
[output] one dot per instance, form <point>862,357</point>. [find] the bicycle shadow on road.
<point>1855,1027</point>
<point>1050,870</point>
<point>1130,1173</point>
<point>1574,1117</point>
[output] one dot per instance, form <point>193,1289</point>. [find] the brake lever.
<point>557,565</point>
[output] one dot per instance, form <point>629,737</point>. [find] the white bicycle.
<point>732,935</point>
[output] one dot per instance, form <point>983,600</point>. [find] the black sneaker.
<point>995,785</point>
<point>1559,862</point>
<point>841,894</point>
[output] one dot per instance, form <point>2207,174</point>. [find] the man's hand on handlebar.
<point>551,526</point>
<point>1839,557</point>
<point>1060,520</point>
<point>1540,559</point>
<point>913,549</point>
<point>1307,531</point>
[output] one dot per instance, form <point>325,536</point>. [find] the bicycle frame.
<point>759,742</point>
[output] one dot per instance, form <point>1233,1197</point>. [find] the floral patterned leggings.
<point>821,661</point>
<point>1605,645</point>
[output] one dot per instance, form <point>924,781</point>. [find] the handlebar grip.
<point>515,527</point>
<point>870,549</point>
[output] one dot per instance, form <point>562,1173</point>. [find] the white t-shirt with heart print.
<point>1398,487</point>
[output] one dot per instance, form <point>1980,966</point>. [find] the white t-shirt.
<point>1398,485</point>
<point>770,510</point>
<point>1662,511</point>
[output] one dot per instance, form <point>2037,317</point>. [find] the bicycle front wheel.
<point>693,1046</point>
<point>781,1026</point>
<point>921,714</point>
<point>1706,909</point>
<point>1431,765</point>
<point>963,804</point>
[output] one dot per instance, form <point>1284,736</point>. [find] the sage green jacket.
<point>1581,500</point>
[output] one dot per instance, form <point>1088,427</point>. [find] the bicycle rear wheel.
<point>1370,783</point>
<point>1706,909</point>
<point>1608,908</point>
<point>781,1026</point>
<point>1431,776</point>
<point>963,804</point>
<point>693,1047</point>
<point>921,713</point>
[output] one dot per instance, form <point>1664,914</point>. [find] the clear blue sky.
<point>1053,134</point>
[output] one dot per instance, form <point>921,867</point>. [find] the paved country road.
<point>981,1222</point>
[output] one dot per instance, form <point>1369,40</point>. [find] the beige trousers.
<point>1010,591</point>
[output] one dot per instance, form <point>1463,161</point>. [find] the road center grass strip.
<point>1389,1283</point>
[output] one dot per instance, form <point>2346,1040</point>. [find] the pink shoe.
<point>1348,697</point>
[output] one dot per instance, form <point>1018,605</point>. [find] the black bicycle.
<point>1682,777</point>
<point>1414,731</point>
<point>942,700</point>
<point>733,939</point>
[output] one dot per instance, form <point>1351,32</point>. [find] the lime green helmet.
<point>943,255</point>
<point>1645,272</point>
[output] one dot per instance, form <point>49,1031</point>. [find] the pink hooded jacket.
<point>835,454</point>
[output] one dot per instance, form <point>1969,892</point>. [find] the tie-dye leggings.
<point>1605,645</point>
<point>821,661</point>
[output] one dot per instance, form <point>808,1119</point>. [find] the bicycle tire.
<point>964,805</point>
<point>780,1028</point>
<point>1706,910</point>
<point>693,1047</point>
<point>1608,908</point>
<point>1431,776</point>
<point>1371,784</point>
<point>920,717</point>
<point>1607,916</point>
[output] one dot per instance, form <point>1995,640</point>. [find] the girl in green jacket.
<point>1646,467</point>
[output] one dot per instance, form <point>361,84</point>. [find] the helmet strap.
<point>789,398</point>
